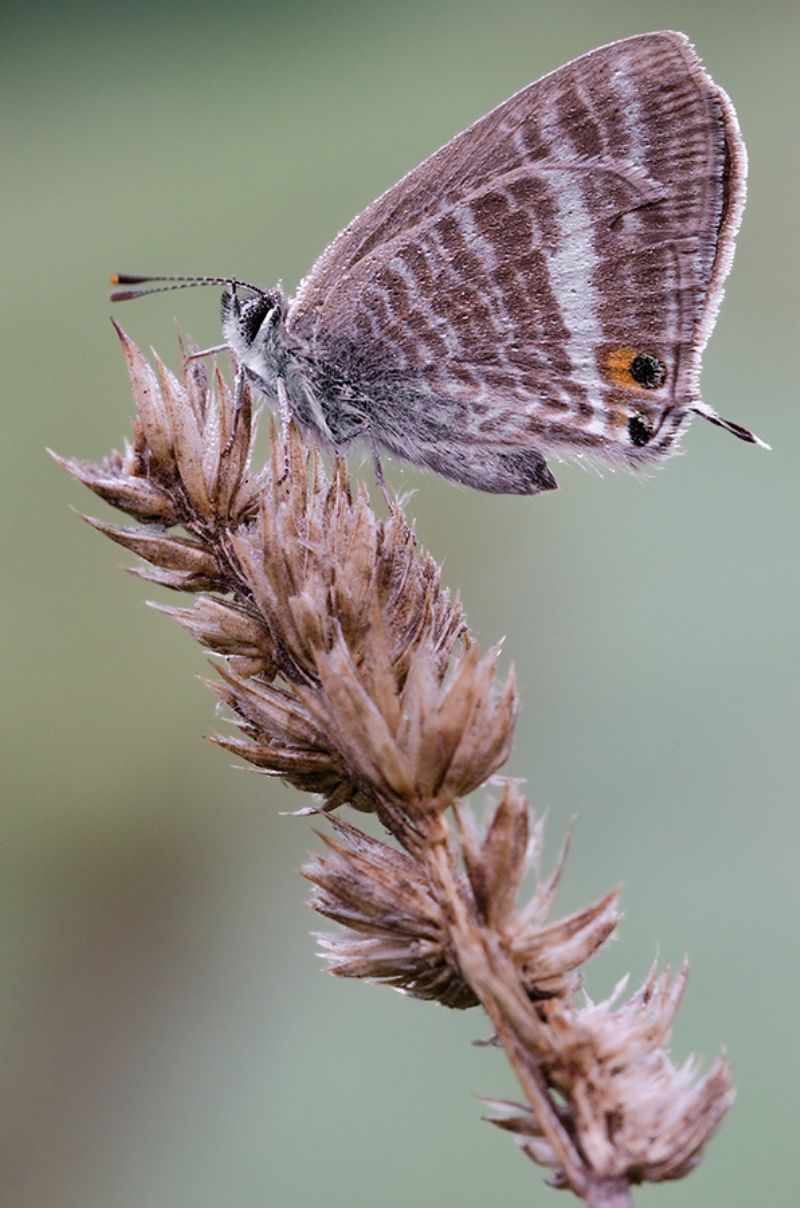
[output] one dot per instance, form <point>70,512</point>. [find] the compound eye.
<point>253,314</point>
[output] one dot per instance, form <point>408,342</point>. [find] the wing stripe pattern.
<point>508,288</point>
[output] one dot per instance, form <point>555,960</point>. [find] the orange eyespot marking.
<point>634,369</point>
<point>617,364</point>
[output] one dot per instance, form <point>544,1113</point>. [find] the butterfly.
<point>542,286</point>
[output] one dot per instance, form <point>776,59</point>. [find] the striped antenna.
<point>125,295</point>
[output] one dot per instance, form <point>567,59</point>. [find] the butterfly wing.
<point>549,278</point>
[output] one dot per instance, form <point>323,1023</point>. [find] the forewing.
<point>524,267</point>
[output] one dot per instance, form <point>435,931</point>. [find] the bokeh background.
<point>168,1038</point>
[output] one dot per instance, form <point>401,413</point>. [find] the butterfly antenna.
<point>728,424</point>
<point>126,295</point>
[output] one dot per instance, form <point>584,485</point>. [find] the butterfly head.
<point>248,323</point>
<point>253,330</point>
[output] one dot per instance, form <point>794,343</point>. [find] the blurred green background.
<point>168,1038</point>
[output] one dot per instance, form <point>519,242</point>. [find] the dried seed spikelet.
<point>119,481</point>
<point>351,674</point>
<point>411,749</point>
<point>319,565</point>
<point>634,1114</point>
<point>187,466</point>
<point>396,931</point>
<point>366,638</point>
<point>545,954</point>
<point>232,630</point>
<point>284,738</point>
<point>419,746</point>
<point>190,454</point>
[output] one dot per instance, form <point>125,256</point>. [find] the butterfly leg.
<point>238,389</point>
<point>286,419</point>
<point>377,464</point>
<point>205,352</point>
<point>283,404</point>
<point>238,395</point>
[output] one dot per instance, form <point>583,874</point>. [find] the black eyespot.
<point>648,371</point>
<point>639,431</point>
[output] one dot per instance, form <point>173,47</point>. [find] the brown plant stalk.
<point>351,674</point>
